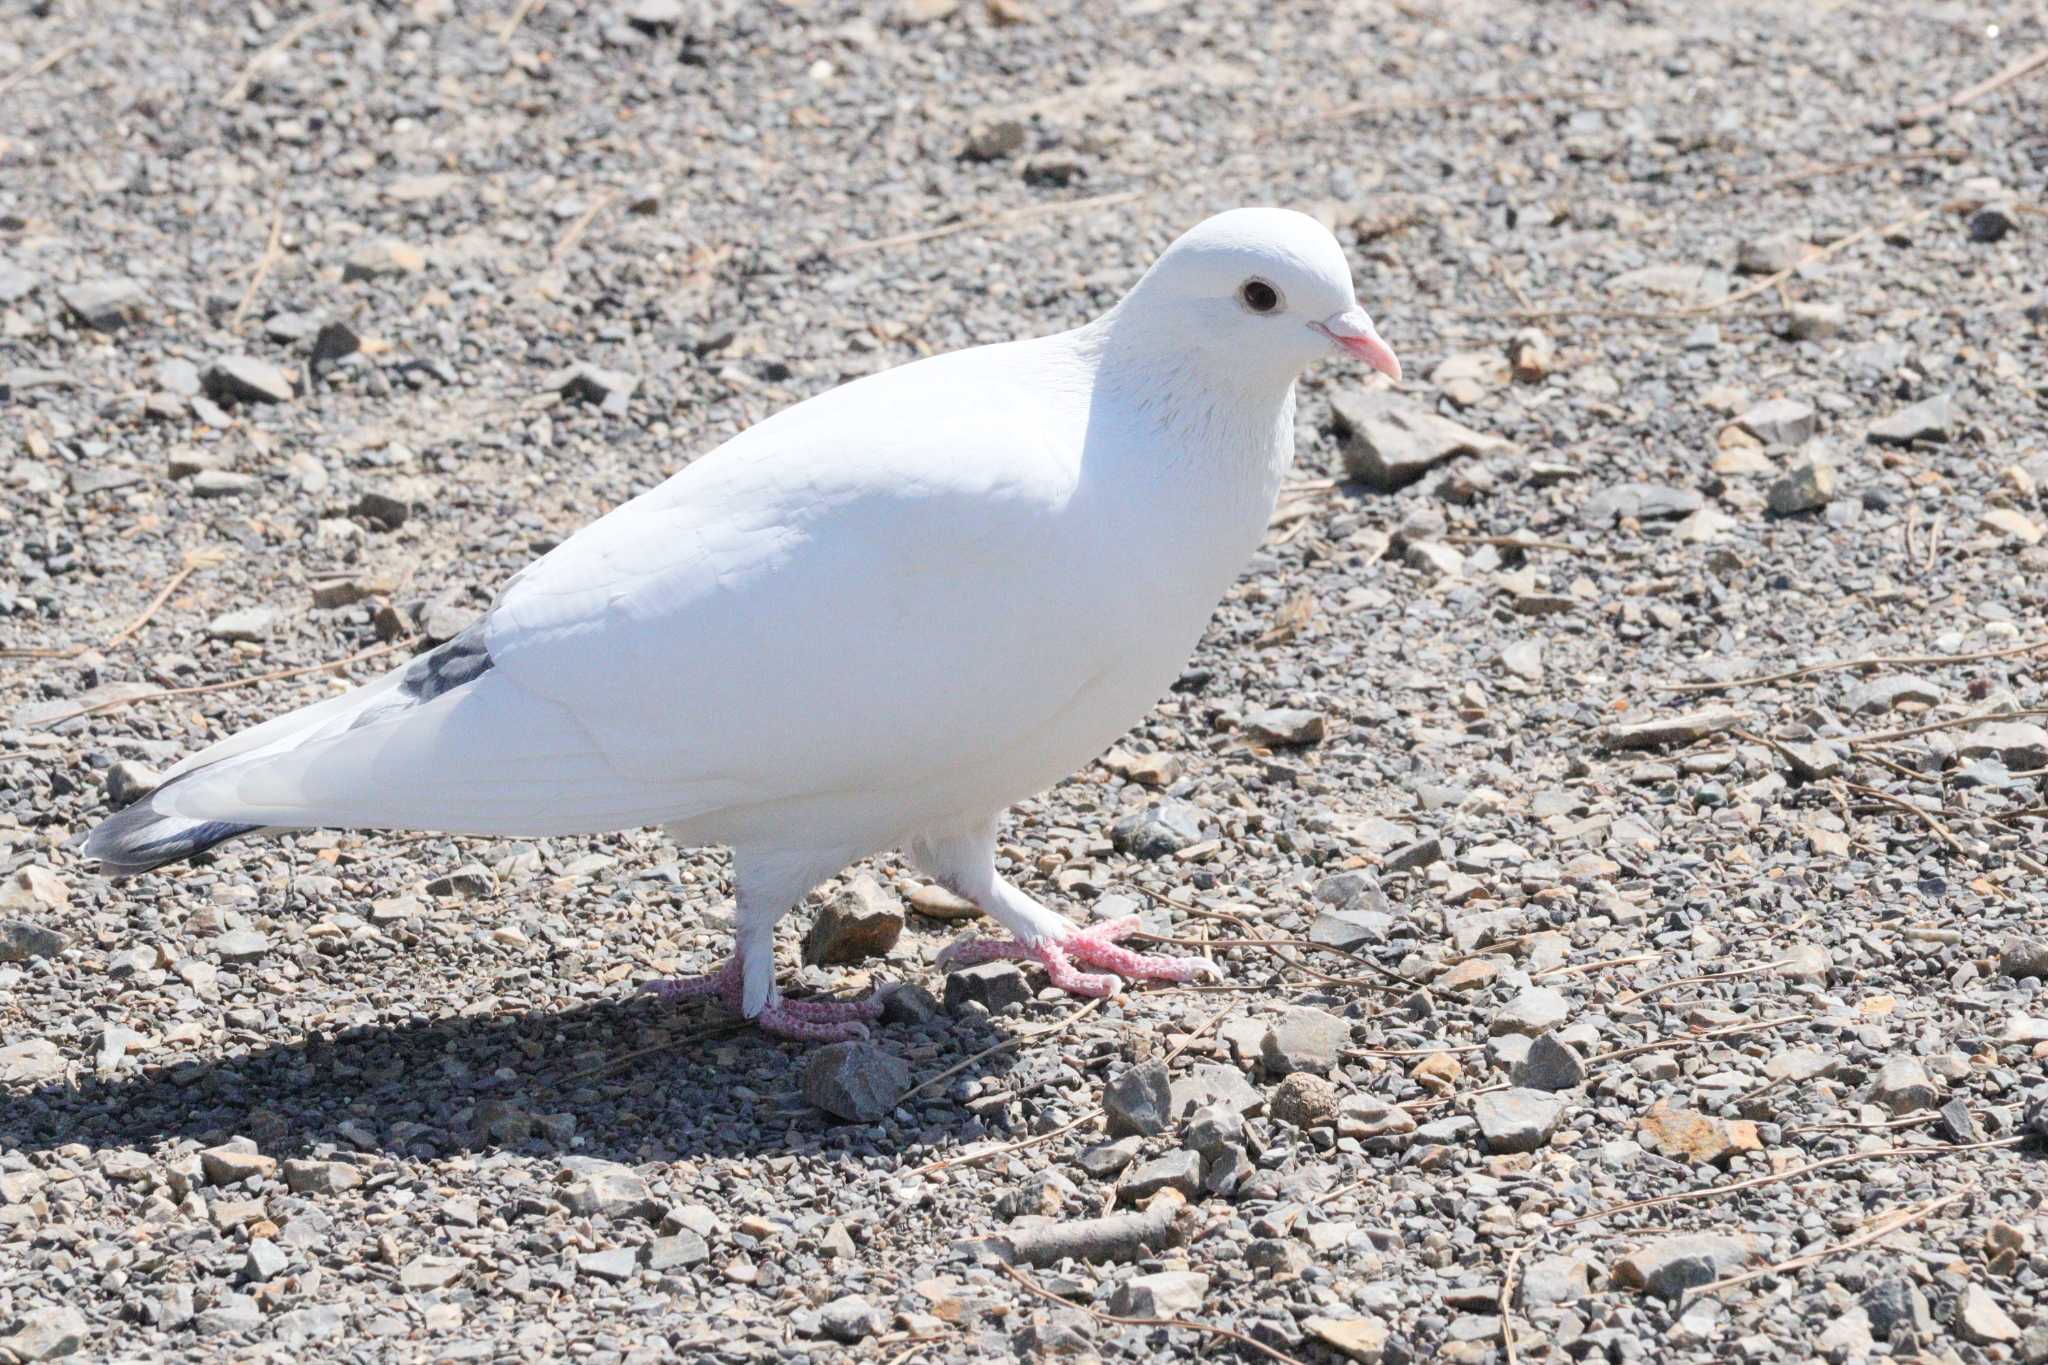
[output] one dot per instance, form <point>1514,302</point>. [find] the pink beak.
<point>1354,331</point>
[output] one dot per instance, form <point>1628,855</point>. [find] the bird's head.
<point>1259,291</point>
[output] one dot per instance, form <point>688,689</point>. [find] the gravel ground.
<point>1597,985</point>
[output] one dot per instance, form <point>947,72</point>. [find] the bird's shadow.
<point>632,1080</point>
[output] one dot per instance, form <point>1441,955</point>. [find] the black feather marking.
<point>462,660</point>
<point>141,837</point>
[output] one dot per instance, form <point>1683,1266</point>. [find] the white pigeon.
<point>874,620</point>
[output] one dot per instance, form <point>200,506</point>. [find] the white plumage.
<point>876,619</point>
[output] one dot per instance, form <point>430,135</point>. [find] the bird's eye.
<point>1258,297</point>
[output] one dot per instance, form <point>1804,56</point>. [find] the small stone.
<point>1639,502</point>
<point>127,782</point>
<point>16,284</point>
<point>1808,962</point>
<point>1434,559</point>
<point>35,888</point>
<point>1664,732</point>
<point>1806,487</point>
<point>334,341</point>
<point>679,1249</point>
<point>1517,1119</point>
<point>1894,1303</point>
<point>247,623</point>
<point>21,940</point>
<point>221,483</point>
<point>1771,254</point>
<point>1928,420</point>
<point>1993,222</point>
<point>423,1273</point>
<point>1212,1083</point>
<point>1139,1101</point>
<point>655,17</point>
<point>849,1318</point>
<point>241,945</point>
<point>1304,1040</point>
<point>1779,422</point>
<point>245,379</point>
<point>1555,1280</point>
<point>1979,1319</point>
<point>864,920</point>
<point>1688,1135</point>
<point>1375,1125</point>
<point>617,1265</point>
<point>1524,659</point>
<point>1531,355</point>
<point>589,383</point>
<point>1815,321</point>
<point>1161,829</point>
<point>1885,693</point>
<point>106,305</point>
<point>2022,956</point>
<point>858,1082</point>
<point>993,141</point>
<point>1904,1087</point>
<point>307,1176</point>
<point>606,1189</point>
<point>1955,1122</point>
<point>1174,1171</point>
<point>229,1164</point>
<point>1391,441</point>
<point>1166,1294</point>
<point>1670,1267</point>
<point>179,378</point>
<point>266,1261</point>
<point>468,882</point>
<point>230,1315</point>
<point>30,1061</point>
<point>1549,1064</point>
<point>1284,729</point>
<point>1359,1339</point>
<point>1106,1159</point>
<point>382,259</point>
<point>1305,1100</point>
<point>48,1334</point>
<point>994,986</point>
<point>2019,745</point>
<point>936,902</point>
<point>1537,1009</point>
<point>2013,524</point>
<point>909,1003</point>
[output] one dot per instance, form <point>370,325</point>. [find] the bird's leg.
<point>964,862</point>
<point>746,983</point>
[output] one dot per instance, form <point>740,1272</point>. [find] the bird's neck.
<point>1197,419</point>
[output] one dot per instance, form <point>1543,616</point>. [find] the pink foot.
<point>805,1021</point>
<point>1095,947</point>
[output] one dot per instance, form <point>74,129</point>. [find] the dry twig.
<point>2023,66</point>
<point>516,18</point>
<point>1015,1040</point>
<point>228,686</point>
<point>39,65</point>
<point>1878,1231</point>
<point>263,264</point>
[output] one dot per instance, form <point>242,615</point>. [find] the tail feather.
<point>143,837</point>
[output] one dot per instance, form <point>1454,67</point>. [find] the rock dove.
<point>874,620</point>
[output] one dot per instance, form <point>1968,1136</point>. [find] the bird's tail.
<point>143,837</point>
